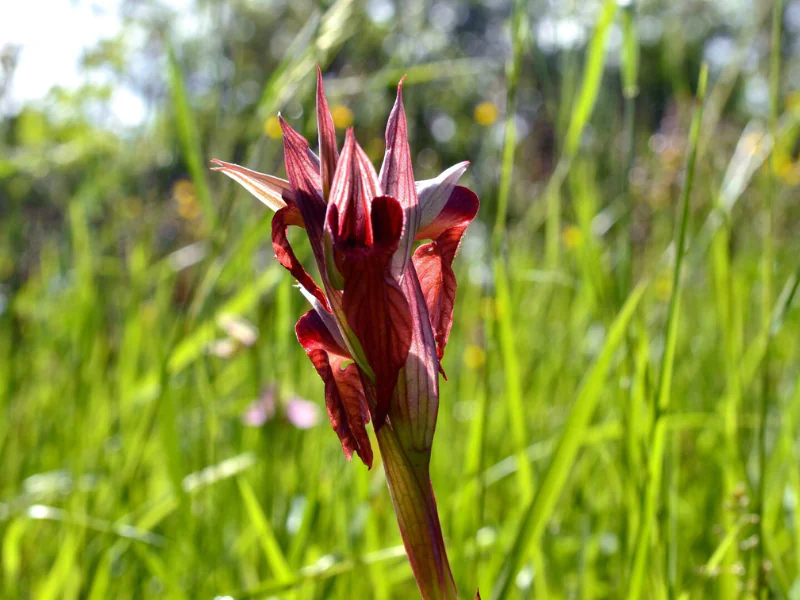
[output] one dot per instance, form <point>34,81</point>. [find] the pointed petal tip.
<point>400,90</point>
<point>221,165</point>
<point>285,128</point>
<point>319,79</point>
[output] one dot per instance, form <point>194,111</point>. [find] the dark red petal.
<point>354,186</point>
<point>397,178</point>
<point>433,262</point>
<point>344,396</point>
<point>290,215</point>
<point>438,284</point>
<point>328,151</point>
<point>374,305</point>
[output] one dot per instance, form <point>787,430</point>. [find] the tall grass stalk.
<point>581,113</point>
<point>664,390</point>
<point>631,412</point>
<point>630,90</point>
<point>767,276</point>
<point>502,294</point>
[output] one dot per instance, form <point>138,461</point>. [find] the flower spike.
<point>381,318</point>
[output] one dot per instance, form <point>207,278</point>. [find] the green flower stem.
<point>415,506</point>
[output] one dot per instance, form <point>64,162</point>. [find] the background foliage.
<point>613,425</point>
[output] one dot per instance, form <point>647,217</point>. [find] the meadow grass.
<point>619,420</point>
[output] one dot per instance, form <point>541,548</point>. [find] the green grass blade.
<point>630,90</point>
<point>269,543</point>
<point>590,82</point>
<point>519,26</point>
<point>767,276</point>
<point>512,374</point>
<point>504,309</point>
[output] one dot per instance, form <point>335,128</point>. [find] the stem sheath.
<point>415,506</point>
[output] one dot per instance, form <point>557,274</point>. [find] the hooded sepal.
<point>344,396</point>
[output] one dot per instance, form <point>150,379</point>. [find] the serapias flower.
<point>381,318</point>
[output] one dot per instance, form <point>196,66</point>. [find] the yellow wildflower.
<point>189,210</point>
<point>474,356</point>
<point>272,128</point>
<point>342,116</point>
<point>663,287</point>
<point>486,113</point>
<point>793,101</point>
<point>573,237</point>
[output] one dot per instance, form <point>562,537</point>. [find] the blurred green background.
<point>621,418</point>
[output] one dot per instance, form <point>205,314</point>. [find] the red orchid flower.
<point>380,321</point>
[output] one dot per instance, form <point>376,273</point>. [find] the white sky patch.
<point>52,36</point>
